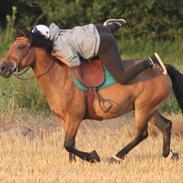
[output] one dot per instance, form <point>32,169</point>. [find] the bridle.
<point>16,67</point>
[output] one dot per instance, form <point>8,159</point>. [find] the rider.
<point>89,41</point>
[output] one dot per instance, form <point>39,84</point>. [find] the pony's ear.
<point>22,32</point>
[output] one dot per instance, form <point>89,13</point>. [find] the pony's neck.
<point>43,61</point>
<point>47,71</point>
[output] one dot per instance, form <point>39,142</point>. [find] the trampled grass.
<point>32,151</point>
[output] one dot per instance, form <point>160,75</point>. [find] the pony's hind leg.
<point>141,134</point>
<point>165,126</point>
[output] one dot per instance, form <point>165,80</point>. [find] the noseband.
<point>15,68</point>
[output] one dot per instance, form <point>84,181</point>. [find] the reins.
<point>23,72</point>
<point>49,68</point>
<point>32,77</point>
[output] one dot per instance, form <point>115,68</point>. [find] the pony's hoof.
<point>173,156</point>
<point>72,158</point>
<point>94,157</point>
<point>115,159</point>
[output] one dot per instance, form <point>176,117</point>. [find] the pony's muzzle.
<point>5,70</point>
<point>2,68</point>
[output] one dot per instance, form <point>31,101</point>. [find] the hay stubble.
<point>42,158</point>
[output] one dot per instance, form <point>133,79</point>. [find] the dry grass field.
<point>32,152</point>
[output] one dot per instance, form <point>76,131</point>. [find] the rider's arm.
<point>71,57</point>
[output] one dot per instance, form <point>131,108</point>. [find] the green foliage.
<point>146,19</point>
<point>170,51</point>
<point>10,26</point>
<point>8,33</point>
<point>16,93</point>
<point>170,105</point>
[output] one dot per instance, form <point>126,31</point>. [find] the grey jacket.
<point>70,43</point>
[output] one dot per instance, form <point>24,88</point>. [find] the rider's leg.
<point>113,27</point>
<point>110,56</point>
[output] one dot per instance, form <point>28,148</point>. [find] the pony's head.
<point>19,56</point>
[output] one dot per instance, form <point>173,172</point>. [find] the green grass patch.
<point>25,95</point>
<point>170,52</point>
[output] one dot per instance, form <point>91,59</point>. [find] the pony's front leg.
<point>72,157</point>
<point>71,128</point>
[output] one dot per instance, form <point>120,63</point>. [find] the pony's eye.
<point>21,47</point>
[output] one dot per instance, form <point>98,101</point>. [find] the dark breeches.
<point>110,56</point>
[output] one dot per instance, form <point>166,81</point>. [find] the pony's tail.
<point>177,81</point>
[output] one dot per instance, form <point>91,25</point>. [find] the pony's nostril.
<point>2,68</point>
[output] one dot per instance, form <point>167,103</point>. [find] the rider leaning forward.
<point>89,41</point>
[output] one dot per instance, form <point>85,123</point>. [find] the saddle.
<point>91,75</point>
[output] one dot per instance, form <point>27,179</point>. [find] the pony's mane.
<point>26,33</point>
<point>22,32</point>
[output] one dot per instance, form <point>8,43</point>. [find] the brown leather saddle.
<point>90,74</point>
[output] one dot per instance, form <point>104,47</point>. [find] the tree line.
<point>147,19</point>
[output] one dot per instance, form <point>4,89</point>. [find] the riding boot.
<point>114,24</point>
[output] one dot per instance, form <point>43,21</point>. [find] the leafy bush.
<point>146,19</point>
<point>8,34</point>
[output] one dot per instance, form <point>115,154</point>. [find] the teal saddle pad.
<point>109,80</point>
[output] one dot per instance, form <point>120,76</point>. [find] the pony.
<point>143,95</point>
